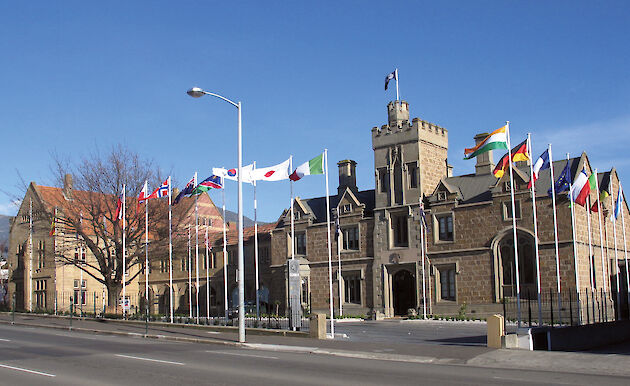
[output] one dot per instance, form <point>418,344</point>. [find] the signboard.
<point>126,304</point>
<point>295,290</point>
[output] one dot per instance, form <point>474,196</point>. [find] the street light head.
<point>195,92</point>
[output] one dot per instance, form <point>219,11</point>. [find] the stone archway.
<point>403,292</point>
<point>505,270</point>
<point>164,301</point>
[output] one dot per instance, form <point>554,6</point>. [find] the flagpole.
<point>292,215</point>
<point>625,246</point>
<point>146,255</point>
<point>555,233</point>
<point>80,262</point>
<point>30,248</point>
<point>536,242</point>
<point>397,94</point>
<point>575,254</point>
<point>124,257</point>
<point>256,248</point>
<point>189,277</point>
<point>196,252</point>
<point>591,258</point>
<point>170,248</point>
<point>612,196</point>
<point>422,251</point>
<point>225,257</point>
<point>207,274</point>
<point>516,261</point>
<point>601,235</point>
<point>340,277</point>
<point>330,287</point>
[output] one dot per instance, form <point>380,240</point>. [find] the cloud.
<point>10,208</point>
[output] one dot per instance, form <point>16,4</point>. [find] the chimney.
<point>397,113</point>
<point>67,186</point>
<point>484,165</point>
<point>347,176</point>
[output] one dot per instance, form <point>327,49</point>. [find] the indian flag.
<point>496,140</point>
<point>314,166</point>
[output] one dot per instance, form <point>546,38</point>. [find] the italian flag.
<point>314,166</point>
<point>582,187</point>
<point>496,140</point>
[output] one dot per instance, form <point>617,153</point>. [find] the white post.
<point>614,221</point>
<point>516,261</point>
<point>146,255</point>
<point>124,252</point>
<point>330,286</point>
<point>292,214</point>
<point>225,258</point>
<point>422,251</point>
<point>340,277</point>
<point>207,275</point>
<point>170,247</point>
<point>575,254</point>
<point>189,276</point>
<point>625,246</point>
<point>81,267</point>
<point>601,235</point>
<point>531,171</point>
<point>555,233</point>
<point>397,94</point>
<point>196,253</point>
<point>30,252</point>
<point>256,249</point>
<point>241,265</point>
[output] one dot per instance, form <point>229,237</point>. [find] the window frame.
<point>402,220</point>
<point>350,294</point>
<point>345,239</point>
<point>438,229</point>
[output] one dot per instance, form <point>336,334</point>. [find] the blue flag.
<point>563,181</point>
<point>190,186</point>
<point>615,214</point>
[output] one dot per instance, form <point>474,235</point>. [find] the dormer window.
<point>346,208</point>
<point>297,215</point>
<point>441,196</point>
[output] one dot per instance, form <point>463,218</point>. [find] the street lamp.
<point>196,92</point>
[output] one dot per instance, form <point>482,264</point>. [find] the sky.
<point>81,77</point>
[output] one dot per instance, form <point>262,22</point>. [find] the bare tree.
<point>88,217</point>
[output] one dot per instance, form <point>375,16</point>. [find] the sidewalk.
<point>610,361</point>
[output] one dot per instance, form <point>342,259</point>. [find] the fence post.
<point>570,309</point>
<point>71,311</point>
<point>588,316</point>
<point>551,305</point>
<point>13,310</point>
<point>529,308</point>
<point>95,304</point>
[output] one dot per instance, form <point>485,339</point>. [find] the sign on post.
<point>295,306</point>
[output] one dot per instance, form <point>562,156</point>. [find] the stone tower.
<point>410,158</point>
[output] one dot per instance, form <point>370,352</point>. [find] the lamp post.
<point>196,92</point>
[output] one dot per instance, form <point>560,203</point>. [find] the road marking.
<point>28,371</point>
<point>213,332</point>
<point>4,340</point>
<point>149,359</point>
<point>241,355</point>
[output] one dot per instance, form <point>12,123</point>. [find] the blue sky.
<point>77,76</point>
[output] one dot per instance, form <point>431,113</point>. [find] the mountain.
<point>233,217</point>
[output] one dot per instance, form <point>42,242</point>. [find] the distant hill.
<point>233,217</point>
<point>4,228</point>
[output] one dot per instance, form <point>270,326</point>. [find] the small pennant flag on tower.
<point>314,166</point>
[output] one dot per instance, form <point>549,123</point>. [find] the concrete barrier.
<point>495,330</point>
<point>317,328</point>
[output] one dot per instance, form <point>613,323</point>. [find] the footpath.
<point>608,361</point>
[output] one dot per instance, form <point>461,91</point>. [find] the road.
<point>40,356</point>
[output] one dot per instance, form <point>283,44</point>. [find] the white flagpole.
<point>614,221</point>
<point>340,277</point>
<point>124,252</point>
<point>80,263</point>
<point>422,251</point>
<point>330,287</point>
<point>170,248</point>
<point>207,274</point>
<point>531,176</point>
<point>625,246</point>
<point>256,249</point>
<point>189,277</point>
<point>292,215</point>
<point>591,262</point>
<point>196,252</point>
<point>575,254</point>
<point>225,256</point>
<point>397,94</point>
<point>146,252</point>
<point>601,235</point>
<point>555,233</point>
<point>30,248</point>
<point>516,261</point>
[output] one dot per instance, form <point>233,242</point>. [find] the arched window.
<point>527,265</point>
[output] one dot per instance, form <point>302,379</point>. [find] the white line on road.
<point>213,332</point>
<point>149,359</point>
<point>240,354</point>
<point>4,340</point>
<point>27,371</point>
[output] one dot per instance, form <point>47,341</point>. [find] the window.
<point>305,293</point>
<point>383,180</point>
<point>507,209</point>
<point>263,254</point>
<point>79,298</point>
<point>412,175</point>
<point>441,196</point>
<point>400,231</point>
<point>76,283</point>
<point>352,287</point>
<point>346,208</point>
<point>40,293</point>
<point>350,238</point>
<point>213,260</point>
<point>445,227</point>
<point>163,266</point>
<point>185,264</point>
<point>300,243</point>
<point>297,215</point>
<point>78,250</point>
<point>40,254</point>
<point>447,283</point>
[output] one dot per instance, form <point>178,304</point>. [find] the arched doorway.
<point>403,291</point>
<point>526,265</point>
<point>164,301</point>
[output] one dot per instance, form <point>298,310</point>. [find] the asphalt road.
<point>39,356</point>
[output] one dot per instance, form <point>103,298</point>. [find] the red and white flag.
<point>143,195</point>
<point>119,206</point>
<point>277,172</point>
<point>162,191</point>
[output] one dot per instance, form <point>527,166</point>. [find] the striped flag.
<point>542,163</point>
<point>314,166</point>
<point>496,140</point>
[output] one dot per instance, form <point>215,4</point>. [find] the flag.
<point>212,182</point>
<point>314,166</point>
<point>496,140</point>
<point>232,174</point>
<point>119,207</point>
<point>337,226</point>
<point>390,76</point>
<point>162,191</point>
<point>542,163</point>
<point>604,190</point>
<point>423,214</point>
<point>581,188</point>
<point>52,226</point>
<point>519,153</point>
<point>143,195</point>
<point>273,173</point>
<point>615,214</point>
<point>190,186</point>
<point>563,181</point>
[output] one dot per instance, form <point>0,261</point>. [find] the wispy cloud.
<point>9,208</point>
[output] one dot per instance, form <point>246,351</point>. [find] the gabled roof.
<point>317,205</point>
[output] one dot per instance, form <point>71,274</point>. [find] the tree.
<point>88,217</point>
